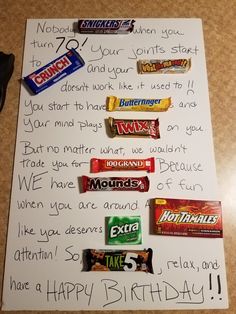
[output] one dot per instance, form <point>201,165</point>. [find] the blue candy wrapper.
<point>54,71</point>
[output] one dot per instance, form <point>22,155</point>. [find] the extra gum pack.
<point>190,218</point>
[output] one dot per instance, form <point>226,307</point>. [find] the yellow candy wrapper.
<point>137,104</point>
<point>164,66</point>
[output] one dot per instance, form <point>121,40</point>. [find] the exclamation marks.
<point>190,87</point>
<point>83,43</point>
<point>218,286</point>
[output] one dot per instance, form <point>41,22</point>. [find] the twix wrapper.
<point>137,104</point>
<point>169,66</point>
<point>100,165</point>
<point>190,218</point>
<point>134,128</point>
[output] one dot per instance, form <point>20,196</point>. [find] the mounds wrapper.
<point>123,230</point>
<point>118,260</point>
<point>140,184</point>
<point>190,218</point>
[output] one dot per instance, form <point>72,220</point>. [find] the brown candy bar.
<point>134,127</point>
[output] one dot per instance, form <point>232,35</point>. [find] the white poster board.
<point>62,128</point>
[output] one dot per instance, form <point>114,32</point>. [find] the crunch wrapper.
<point>136,104</point>
<point>190,218</point>
<point>164,66</point>
<point>54,71</point>
<point>118,260</point>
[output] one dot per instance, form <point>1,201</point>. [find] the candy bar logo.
<point>115,262</point>
<point>117,231</point>
<point>131,127</point>
<point>139,102</point>
<point>171,63</point>
<point>186,217</point>
<point>124,163</point>
<point>103,24</point>
<point>51,71</point>
<point>98,184</point>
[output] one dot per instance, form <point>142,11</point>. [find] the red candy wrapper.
<point>190,218</point>
<point>140,184</point>
<point>100,165</point>
<point>134,128</point>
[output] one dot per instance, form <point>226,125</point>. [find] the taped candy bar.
<point>190,218</point>
<point>54,71</point>
<point>164,66</point>
<point>134,128</point>
<point>105,26</point>
<point>118,260</point>
<point>140,184</point>
<point>100,165</point>
<point>124,230</point>
<point>135,104</point>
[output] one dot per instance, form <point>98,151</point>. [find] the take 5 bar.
<point>118,260</point>
<point>140,184</point>
<point>54,71</point>
<point>123,230</point>
<point>163,66</point>
<point>190,218</point>
<point>134,128</point>
<point>100,165</point>
<point>105,26</point>
<point>137,104</point>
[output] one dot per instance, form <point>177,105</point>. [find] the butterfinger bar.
<point>134,128</point>
<point>100,165</point>
<point>140,184</point>
<point>105,26</point>
<point>190,218</point>
<point>164,66</point>
<point>136,104</point>
<point>118,260</point>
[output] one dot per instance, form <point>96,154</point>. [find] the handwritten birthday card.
<point>84,228</point>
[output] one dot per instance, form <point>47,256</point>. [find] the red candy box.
<point>190,218</point>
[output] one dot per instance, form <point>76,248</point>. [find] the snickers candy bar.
<point>54,71</point>
<point>140,184</point>
<point>105,26</point>
<point>100,165</point>
<point>118,260</point>
<point>164,66</point>
<point>134,128</point>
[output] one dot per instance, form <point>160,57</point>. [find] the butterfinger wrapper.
<point>163,66</point>
<point>137,104</point>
